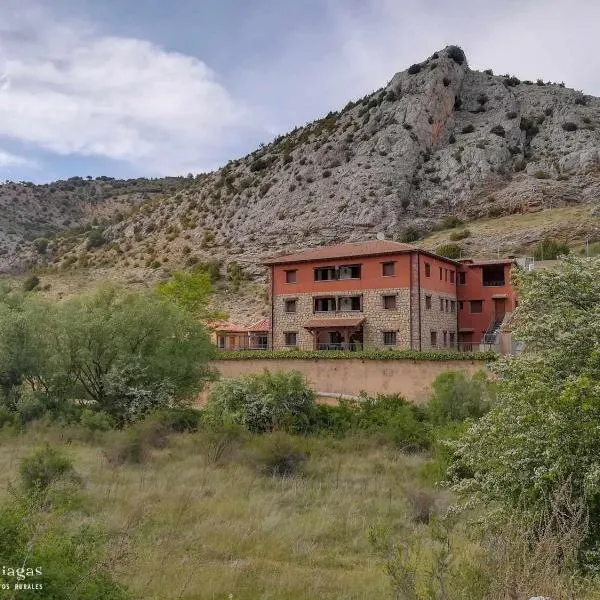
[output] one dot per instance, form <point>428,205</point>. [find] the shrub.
<point>451,221</point>
<point>409,234</point>
<point>457,54</point>
<point>43,468</point>
<point>541,175</point>
<point>414,69</point>
<point>217,442</point>
<point>456,398</point>
<point>96,420</point>
<point>261,403</point>
<point>31,283</point>
<point>498,130</point>
<point>446,81</point>
<point>95,238</point>
<point>326,173</point>
<point>450,250</point>
<point>455,236</point>
<point>549,249</point>
<point>512,81</point>
<point>569,126</point>
<point>41,245</point>
<point>180,420</point>
<point>468,128</point>
<point>511,114</point>
<point>278,455</point>
<point>135,445</point>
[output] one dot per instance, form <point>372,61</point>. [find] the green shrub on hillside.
<point>278,454</point>
<point>462,234</point>
<point>449,250</point>
<point>549,249</point>
<point>43,468</point>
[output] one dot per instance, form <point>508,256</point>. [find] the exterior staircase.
<point>490,337</point>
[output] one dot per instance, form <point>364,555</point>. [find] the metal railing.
<point>497,283</point>
<point>352,346</point>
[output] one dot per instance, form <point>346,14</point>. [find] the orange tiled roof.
<point>263,325</point>
<point>226,326</point>
<point>368,248</point>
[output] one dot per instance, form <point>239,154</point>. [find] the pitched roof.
<point>263,325</point>
<point>494,261</point>
<point>226,326</point>
<point>352,249</point>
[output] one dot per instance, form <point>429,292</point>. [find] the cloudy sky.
<point>132,88</point>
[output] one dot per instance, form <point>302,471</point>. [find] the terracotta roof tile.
<point>368,248</point>
<point>263,325</point>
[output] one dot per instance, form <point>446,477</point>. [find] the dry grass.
<point>204,531</point>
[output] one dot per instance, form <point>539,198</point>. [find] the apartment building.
<point>384,294</point>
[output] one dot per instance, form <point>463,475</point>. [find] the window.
<point>388,269</point>
<point>451,276</point>
<point>461,304</point>
<point>462,278</point>
<point>452,306</point>
<point>324,305</point>
<point>325,274</point>
<point>290,305</point>
<point>442,304</point>
<point>445,274</point>
<point>427,270</point>
<point>389,338</point>
<point>389,302</point>
<point>221,341</point>
<point>493,276</point>
<point>476,306</point>
<point>349,272</point>
<point>434,339</point>
<point>291,276</point>
<point>428,302</point>
<point>445,334</point>
<point>349,303</point>
<point>291,338</point>
<point>441,273</point>
<point>452,339</point>
<point>447,305</point>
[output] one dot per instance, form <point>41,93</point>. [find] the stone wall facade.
<point>438,320</point>
<point>377,319</point>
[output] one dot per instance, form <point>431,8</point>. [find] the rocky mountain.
<point>438,140</point>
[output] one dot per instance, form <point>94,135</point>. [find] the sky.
<point>147,88</point>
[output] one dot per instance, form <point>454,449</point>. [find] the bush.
<point>456,398</point>
<point>541,175</point>
<point>41,245</point>
<point>180,420</point>
<point>511,114</point>
<point>498,130</point>
<point>409,234</point>
<point>451,221</point>
<point>462,234</point>
<point>456,54</point>
<point>569,126</point>
<point>414,69</point>
<point>468,128</point>
<point>43,468</point>
<point>136,444</point>
<point>32,282</point>
<point>95,238</point>
<point>450,250</point>
<point>549,249</point>
<point>96,420</point>
<point>261,403</point>
<point>217,442</point>
<point>512,81</point>
<point>278,455</point>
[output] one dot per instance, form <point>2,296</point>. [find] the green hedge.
<point>362,355</point>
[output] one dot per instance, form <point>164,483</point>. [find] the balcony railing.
<point>352,346</point>
<point>494,283</point>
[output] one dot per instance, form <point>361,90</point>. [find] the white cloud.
<point>69,90</point>
<point>7,159</point>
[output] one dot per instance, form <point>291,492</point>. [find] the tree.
<point>192,291</point>
<point>544,429</point>
<point>131,352</point>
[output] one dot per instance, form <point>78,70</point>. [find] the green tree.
<point>543,430</point>
<point>192,291</point>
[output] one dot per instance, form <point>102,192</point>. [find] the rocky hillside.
<point>438,140</point>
